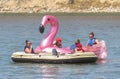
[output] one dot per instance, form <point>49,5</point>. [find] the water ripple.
<point>15,30</point>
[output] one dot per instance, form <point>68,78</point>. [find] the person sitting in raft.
<point>28,47</point>
<point>78,46</point>
<point>92,41</point>
<point>58,43</point>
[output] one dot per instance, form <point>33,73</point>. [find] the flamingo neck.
<point>49,38</point>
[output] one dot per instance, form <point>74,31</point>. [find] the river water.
<point>14,30</point>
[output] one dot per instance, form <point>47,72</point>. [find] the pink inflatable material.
<point>100,49</point>
<point>47,43</point>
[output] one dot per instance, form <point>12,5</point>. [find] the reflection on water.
<point>49,71</point>
<point>101,61</point>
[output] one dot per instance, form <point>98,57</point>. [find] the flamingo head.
<point>47,20</point>
<point>41,29</point>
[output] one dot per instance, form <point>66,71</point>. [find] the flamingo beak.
<point>41,29</point>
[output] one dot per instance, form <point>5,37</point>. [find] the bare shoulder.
<point>97,41</point>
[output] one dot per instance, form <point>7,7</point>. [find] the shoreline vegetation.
<point>59,6</point>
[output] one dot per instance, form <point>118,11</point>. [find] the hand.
<point>31,46</point>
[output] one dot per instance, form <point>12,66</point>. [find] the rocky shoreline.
<point>52,6</point>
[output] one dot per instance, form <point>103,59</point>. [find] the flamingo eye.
<point>48,19</point>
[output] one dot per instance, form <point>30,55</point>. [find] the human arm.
<point>28,49</point>
<point>97,41</point>
<point>87,44</point>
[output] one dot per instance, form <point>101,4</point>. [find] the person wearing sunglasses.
<point>28,47</point>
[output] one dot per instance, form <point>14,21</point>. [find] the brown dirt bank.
<point>68,6</point>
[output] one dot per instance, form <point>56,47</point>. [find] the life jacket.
<point>91,42</point>
<point>72,47</point>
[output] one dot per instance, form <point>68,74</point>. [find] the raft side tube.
<point>88,57</point>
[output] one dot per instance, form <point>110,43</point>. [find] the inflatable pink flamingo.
<point>47,43</point>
